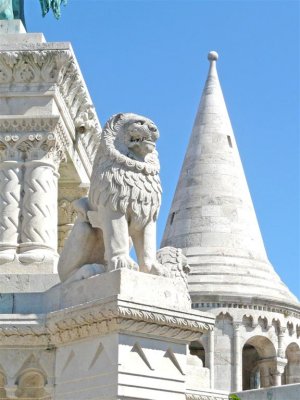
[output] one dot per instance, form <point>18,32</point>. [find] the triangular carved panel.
<point>138,349</point>
<point>170,354</point>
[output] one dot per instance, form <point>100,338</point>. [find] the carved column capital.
<point>34,146</point>
<point>282,330</point>
<point>237,327</point>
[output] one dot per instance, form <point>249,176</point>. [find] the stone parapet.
<point>287,392</point>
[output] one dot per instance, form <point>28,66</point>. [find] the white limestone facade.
<point>256,337</point>
<point>48,135</point>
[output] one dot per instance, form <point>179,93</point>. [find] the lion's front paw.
<point>86,271</point>
<point>159,269</point>
<point>119,262</point>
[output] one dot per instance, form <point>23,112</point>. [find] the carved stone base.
<point>118,335</point>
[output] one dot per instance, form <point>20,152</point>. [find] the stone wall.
<point>288,392</point>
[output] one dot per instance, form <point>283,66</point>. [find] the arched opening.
<point>197,349</point>
<point>31,384</point>
<point>258,363</point>
<point>198,376</point>
<point>292,369</point>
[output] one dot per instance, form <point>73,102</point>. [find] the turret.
<point>212,217</point>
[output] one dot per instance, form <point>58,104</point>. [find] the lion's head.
<point>130,139</point>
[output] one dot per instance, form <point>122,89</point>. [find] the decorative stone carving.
<point>66,218</point>
<point>28,179</point>
<point>206,396</point>
<point>46,113</point>
<point>175,264</point>
<point>10,194</point>
<point>102,319</point>
<point>55,67</point>
<point>124,199</point>
<point>125,192</point>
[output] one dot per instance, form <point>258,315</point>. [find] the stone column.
<point>237,358</point>
<point>211,357</point>
<point>264,369</point>
<point>38,234</point>
<point>278,371</point>
<point>281,334</point>
<point>67,193</point>
<point>10,194</point>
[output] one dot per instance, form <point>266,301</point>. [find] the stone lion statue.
<point>123,202</point>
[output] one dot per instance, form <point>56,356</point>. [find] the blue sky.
<point>150,57</point>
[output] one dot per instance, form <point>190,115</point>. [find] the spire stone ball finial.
<point>213,56</point>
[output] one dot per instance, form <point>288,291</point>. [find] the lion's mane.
<point>121,182</point>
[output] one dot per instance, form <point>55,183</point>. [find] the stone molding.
<point>14,125</point>
<point>206,396</point>
<point>38,148</point>
<point>253,319</point>
<point>285,311</point>
<point>124,316</point>
<point>57,68</point>
<point>96,318</point>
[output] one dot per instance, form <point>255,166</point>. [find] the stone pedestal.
<point>48,136</point>
<point>119,335</point>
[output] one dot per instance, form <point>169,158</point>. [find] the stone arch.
<point>198,372</point>
<point>276,324</point>
<point>31,384</point>
<point>263,323</point>
<point>258,362</point>
<point>290,328</point>
<point>248,322</point>
<point>197,349</point>
<point>298,331</point>
<point>224,322</point>
<point>292,370</point>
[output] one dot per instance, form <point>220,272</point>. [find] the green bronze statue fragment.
<point>14,9</point>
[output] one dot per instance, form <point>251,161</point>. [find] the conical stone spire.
<point>212,216</point>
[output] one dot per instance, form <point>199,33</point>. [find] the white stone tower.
<point>212,219</point>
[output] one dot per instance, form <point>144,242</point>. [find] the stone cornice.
<point>98,318</point>
<point>286,310</point>
<point>120,315</point>
<point>53,65</point>
<point>17,124</point>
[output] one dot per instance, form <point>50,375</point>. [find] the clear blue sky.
<point>149,57</point>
